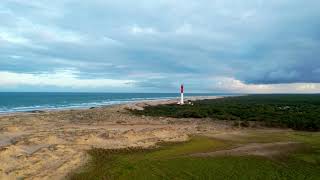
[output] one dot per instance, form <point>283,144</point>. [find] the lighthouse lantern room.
<point>181,92</point>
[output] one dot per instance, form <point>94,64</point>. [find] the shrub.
<point>301,112</point>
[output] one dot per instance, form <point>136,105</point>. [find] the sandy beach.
<point>50,144</point>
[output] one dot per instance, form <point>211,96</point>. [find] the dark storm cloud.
<point>162,43</point>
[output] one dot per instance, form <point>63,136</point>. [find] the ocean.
<point>11,102</point>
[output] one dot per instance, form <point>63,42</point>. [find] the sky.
<point>229,46</point>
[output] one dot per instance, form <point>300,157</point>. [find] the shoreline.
<point>29,101</point>
<point>152,101</point>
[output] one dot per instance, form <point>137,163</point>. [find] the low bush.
<point>301,112</point>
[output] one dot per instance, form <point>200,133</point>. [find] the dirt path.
<point>256,149</point>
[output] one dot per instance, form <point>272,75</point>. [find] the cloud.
<point>142,30</point>
<point>230,84</point>
<point>59,78</point>
<point>11,38</point>
<point>265,46</point>
<point>185,29</point>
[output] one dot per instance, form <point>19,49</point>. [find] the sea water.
<point>29,101</point>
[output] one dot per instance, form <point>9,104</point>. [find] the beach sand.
<point>49,145</point>
<point>52,144</point>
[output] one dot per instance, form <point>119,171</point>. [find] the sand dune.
<point>48,145</point>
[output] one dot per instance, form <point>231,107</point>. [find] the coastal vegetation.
<point>175,161</point>
<point>240,154</point>
<point>296,111</point>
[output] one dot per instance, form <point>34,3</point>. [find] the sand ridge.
<point>48,145</point>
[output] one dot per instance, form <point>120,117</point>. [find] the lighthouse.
<point>181,92</point>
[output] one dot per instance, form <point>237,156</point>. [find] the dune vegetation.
<point>245,153</point>
<point>300,112</point>
<point>175,161</point>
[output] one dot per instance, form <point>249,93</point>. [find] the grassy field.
<point>175,161</point>
<point>172,161</point>
<point>301,112</point>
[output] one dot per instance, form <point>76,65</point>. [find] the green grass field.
<point>172,161</point>
<point>301,112</point>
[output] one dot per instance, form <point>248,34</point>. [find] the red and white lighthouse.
<point>181,92</point>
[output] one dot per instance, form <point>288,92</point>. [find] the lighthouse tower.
<point>181,91</point>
